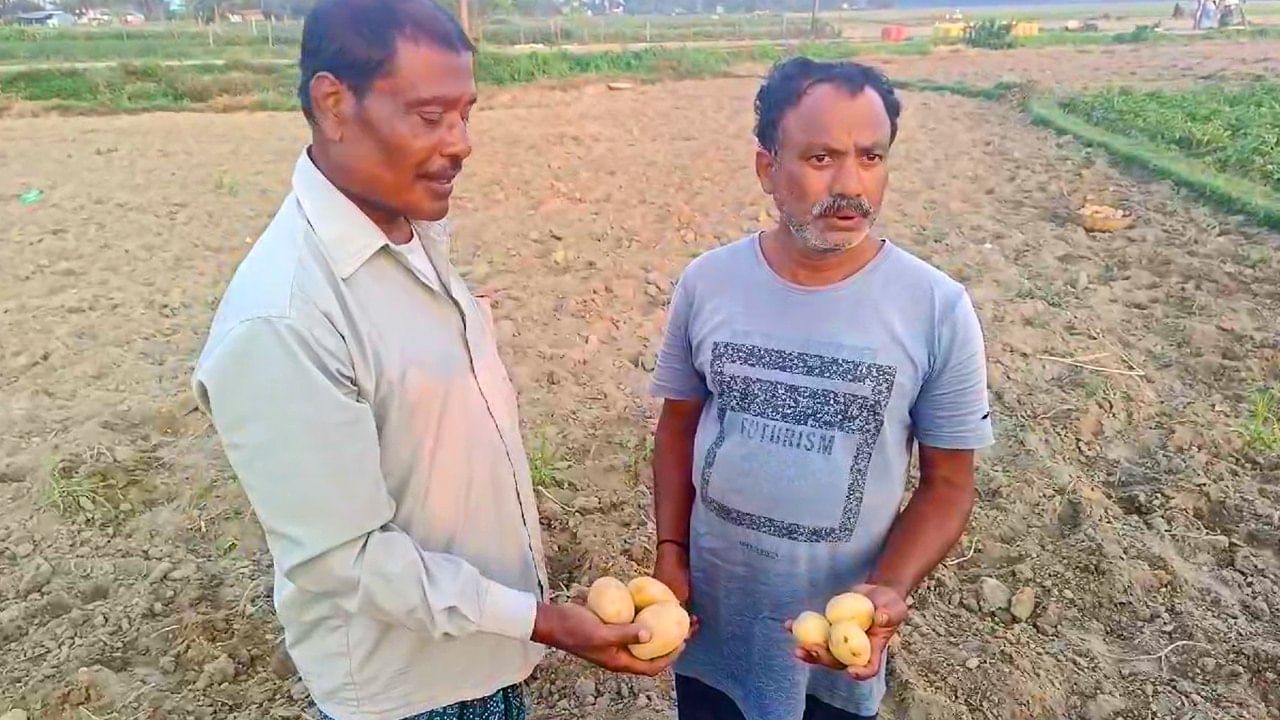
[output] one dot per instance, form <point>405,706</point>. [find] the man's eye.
<point>873,157</point>
<point>430,118</point>
<point>821,158</point>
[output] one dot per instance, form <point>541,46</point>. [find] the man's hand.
<point>891,611</point>
<point>672,568</point>
<point>576,630</point>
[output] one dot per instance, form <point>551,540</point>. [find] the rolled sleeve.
<point>304,445</point>
<point>952,410</point>
<point>505,611</point>
<point>675,376</point>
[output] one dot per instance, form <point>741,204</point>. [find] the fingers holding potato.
<point>645,601</point>
<point>668,625</point>
<point>836,638</point>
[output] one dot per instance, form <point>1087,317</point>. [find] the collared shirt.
<point>366,412</point>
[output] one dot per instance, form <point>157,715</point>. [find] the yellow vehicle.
<point>949,30</point>
<point>1025,29</point>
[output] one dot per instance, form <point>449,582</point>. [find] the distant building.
<point>46,18</point>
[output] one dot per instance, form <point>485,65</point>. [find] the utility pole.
<point>813,20</point>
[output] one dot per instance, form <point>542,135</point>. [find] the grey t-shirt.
<point>813,399</point>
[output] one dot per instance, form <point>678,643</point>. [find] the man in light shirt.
<point>356,387</point>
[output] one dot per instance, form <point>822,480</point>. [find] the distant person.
<point>800,366</point>
<point>356,387</point>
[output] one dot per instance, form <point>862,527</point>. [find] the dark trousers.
<point>697,700</point>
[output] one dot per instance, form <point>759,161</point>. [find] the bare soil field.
<point>1138,532</point>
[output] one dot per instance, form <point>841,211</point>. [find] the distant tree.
<point>153,9</point>
<point>287,8</point>
<point>9,8</point>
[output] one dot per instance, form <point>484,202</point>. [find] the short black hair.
<point>789,80</point>
<point>355,40</point>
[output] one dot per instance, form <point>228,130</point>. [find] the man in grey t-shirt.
<point>800,366</point>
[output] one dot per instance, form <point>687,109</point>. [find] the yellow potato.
<point>668,625</point>
<point>849,644</point>
<point>810,628</point>
<point>851,606</point>
<point>610,600</point>
<point>646,591</point>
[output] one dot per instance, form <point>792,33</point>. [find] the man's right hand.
<point>576,630</point>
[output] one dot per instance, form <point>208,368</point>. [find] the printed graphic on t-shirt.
<point>796,435</point>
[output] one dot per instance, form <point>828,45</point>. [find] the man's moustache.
<point>840,204</point>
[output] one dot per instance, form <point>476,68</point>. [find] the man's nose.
<point>847,180</point>
<point>457,142</point>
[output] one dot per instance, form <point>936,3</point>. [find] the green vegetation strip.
<point>20,45</point>
<point>1233,129</point>
<point>977,92</point>
<point>250,85</point>
<point>1228,191</point>
<point>1231,193</point>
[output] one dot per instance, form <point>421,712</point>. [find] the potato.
<point>646,591</point>
<point>610,600</point>
<point>668,625</point>
<point>849,644</point>
<point>851,606</point>
<point>810,628</point>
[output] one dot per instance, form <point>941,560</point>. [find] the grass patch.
<point>844,50</point>
<point>999,91</point>
<point>578,30</point>
<point>143,87</point>
<point>248,85</point>
<point>508,69</point>
<point>1051,296</point>
<point>1262,425</point>
<point>187,41</point>
<point>1142,34</point>
<point>639,458</point>
<point>1231,129</point>
<point>1238,174</point>
<point>1062,38</point>
<point>96,487</point>
<point>155,42</point>
<point>72,493</point>
<point>1234,194</point>
<point>547,464</point>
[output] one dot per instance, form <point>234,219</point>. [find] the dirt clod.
<point>1023,603</point>
<point>993,595</point>
<point>219,671</point>
<point>1103,707</point>
<point>36,574</point>
<point>585,689</point>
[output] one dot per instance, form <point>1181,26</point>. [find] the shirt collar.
<point>347,236</point>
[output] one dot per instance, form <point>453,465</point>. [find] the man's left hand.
<point>891,611</point>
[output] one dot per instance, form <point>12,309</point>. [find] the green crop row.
<point>1235,130</point>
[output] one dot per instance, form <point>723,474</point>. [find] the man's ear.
<point>764,169</point>
<point>330,105</point>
